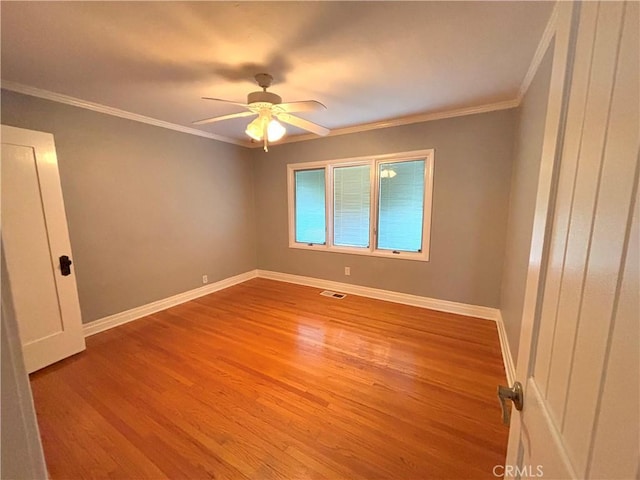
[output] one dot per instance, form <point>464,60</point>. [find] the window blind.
<point>351,199</point>
<point>401,205</point>
<point>310,216</point>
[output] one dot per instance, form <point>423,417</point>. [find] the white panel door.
<point>580,367</point>
<point>34,237</point>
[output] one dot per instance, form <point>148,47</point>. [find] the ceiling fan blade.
<point>303,106</point>
<point>226,101</point>
<point>304,124</point>
<point>223,117</point>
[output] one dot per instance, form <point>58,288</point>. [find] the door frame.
<point>561,30</point>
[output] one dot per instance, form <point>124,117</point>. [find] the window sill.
<point>420,257</point>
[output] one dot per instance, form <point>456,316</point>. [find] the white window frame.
<point>373,162</point>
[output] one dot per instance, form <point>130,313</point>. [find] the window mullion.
<point>329,205</point>
<point>373,211</point>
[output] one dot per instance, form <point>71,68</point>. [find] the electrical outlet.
<point>347,271</point>
<point>205,279</point>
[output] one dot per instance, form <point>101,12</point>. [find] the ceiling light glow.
<point>265,125</point>
<point>255,129</point>
<point>275,131</point>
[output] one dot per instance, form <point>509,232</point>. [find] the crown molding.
<point>543,45</point>
<point>406,120</point>
<point>392,122</point>
<point>96,107</point>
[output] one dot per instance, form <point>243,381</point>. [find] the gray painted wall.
<point>150,210</point>
<point>524,183</point>
<point>473,156</point>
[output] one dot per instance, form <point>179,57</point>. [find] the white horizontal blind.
<point>401,205</point>
<point>351,205</point>
<point>310,217</point>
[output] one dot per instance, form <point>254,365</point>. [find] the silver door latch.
<point>515,395</point>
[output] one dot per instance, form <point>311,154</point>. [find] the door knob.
<point>515,395</point>
<point>65,265</point>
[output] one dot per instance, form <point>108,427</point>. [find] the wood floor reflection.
<point>271,380</point>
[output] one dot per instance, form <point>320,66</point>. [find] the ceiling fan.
<point>269,109</point>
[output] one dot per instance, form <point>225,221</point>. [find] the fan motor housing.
<point>263,97</point>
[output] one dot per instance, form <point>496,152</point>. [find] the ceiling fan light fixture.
<point>275,131</point>
<point>269,109</point>
<point>255,129</point>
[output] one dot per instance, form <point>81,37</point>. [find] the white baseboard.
<point>507,358</point>
<point>111,321</point>
<point>487,313</point>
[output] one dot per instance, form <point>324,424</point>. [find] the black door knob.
<point>65,265</point>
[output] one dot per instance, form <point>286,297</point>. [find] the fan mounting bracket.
<point>264,80</point>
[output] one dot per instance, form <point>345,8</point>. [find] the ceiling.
<point>366,61</point>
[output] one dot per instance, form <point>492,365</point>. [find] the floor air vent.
<point>328,293</point>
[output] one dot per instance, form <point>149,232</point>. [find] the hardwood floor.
<point>271,380</point>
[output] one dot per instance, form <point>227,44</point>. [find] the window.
<point>351,205</point>
<point>310,206</point>
<point>401,205</point>
<point>377,206</point>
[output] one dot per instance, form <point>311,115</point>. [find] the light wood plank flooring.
<point>271,380</point>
